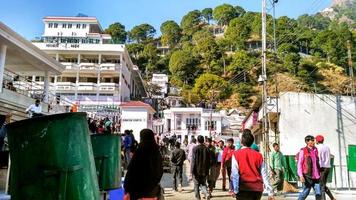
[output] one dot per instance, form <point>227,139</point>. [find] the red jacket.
<point>249,163</point>
<point>227,156</point>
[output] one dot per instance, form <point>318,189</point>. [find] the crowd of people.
<point>103,126</point>
<point>242,167</point>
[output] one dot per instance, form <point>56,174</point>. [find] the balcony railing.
<point>88,66</point>
<point>108,86</point>
<point>70,66</point>
<point>87,86</point>
<point>65,86</point>
<point>109,67</point>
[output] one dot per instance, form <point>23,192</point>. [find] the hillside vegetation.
<point>214,54</point>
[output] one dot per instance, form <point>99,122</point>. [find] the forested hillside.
<point>215,53</point>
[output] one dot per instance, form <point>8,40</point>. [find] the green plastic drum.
<point>290,173</point>
<point>107,154</point>
<point>52,158</point>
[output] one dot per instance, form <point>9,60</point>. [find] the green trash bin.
<point>52,158</point>
<point>107,155</point>
<point>290,174</point>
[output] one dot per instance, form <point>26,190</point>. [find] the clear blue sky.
<point>25,16</point>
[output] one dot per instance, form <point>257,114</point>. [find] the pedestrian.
<point>127,146</point>
<point>193,143</point>
<point>4,119</point>
<point>145,170</point>
<point>249,171</point>
<point>178,157</point>
<point>200,165</point>
<point>226,162</point>
<point>213,162</point>
<point>324,160</point>
<point>219,150</point>
<point>309,169</point>
<point>277,168</point>
<point>35,110</point>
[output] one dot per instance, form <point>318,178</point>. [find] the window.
<point>84,26</point>
<point>207,125</point>
<point>55,25</point>
<point>69,25</point>
<point>192,123</point>
<point>64,25</point>
<point>78,26</point>
<point>50,25</point>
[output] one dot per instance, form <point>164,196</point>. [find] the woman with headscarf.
<point>145,170</point>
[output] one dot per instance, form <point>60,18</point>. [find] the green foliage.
<point>245,91</point>
<point>290,57</point>
<point>117,32</point>
<point>240,11</point>
<point>191,22</point>
<point>240,61</point>
<point>182,65</point>
<point>317,21</point>
<point>223,14</point>
<point>210,87</point>
<point>142,33</point>
<point>171,33</point>
<point>207,14</point>
<point>238,32</point>
<point>205,48</point>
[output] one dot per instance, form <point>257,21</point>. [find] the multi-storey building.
<point>97,72</point>
<point>162,81</point>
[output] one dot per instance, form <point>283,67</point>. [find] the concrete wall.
<point>135,119</point>
<point>334,117</point>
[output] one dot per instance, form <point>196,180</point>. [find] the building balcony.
<point>108,86</point>
<point>87,86</point>
<point>110,67</point>
<point>70,66</point>
<point>88,66</point>
<point>65,86</point>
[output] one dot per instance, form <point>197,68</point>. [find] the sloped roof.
<point>137,104</point>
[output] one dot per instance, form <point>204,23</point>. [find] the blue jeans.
<point>310,183</point>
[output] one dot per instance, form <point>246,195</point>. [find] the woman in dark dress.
<point>145,170</point>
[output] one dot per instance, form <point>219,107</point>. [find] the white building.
<point>302,114</point>
<point>19,59</point>
<point>162,81</point>
<point>97,72</point>
<point>136,115</point>
<point>192,121</point>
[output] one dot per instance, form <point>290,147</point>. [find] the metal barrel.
<point>52,158</point>
<point>107,154</point>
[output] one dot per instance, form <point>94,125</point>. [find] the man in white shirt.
<point>324,161</point>
<point>35,110</point>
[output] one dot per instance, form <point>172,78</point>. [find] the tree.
<point>150,54</point>
<point>223,14</point>
<point>210,86</point>
<point>117,32</point>
<point>240,61</point>
<point>238,32</point>
<point>142,33</point>
<point>171,33</point>
<point>240,11</point>
<point>207,14</point>
<point>182,65</point>
<point>191,22</point>
<point>288,53</point>
<point>153,89</point>
<point>206,48</point>
<point>135,49</point>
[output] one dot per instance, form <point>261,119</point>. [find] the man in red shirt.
<point>226,162</point>
<point>249,172</point>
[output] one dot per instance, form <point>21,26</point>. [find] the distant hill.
<point>342,11</point>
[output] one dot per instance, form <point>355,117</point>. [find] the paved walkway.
<point>218,194</point>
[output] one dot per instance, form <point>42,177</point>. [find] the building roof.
<point>137,104</point>
<point>24,58</point>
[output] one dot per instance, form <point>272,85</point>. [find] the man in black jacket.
<point>178,157</point>
<point>200,166</point>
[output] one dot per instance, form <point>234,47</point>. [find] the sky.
<point>25,16</point>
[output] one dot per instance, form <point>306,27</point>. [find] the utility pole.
<point>351,71</point>
<point>263,79</point>
<point>276,130</point>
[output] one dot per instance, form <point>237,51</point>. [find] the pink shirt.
<point>314,158</point>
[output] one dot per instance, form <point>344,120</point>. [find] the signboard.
<point>351,162</point>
